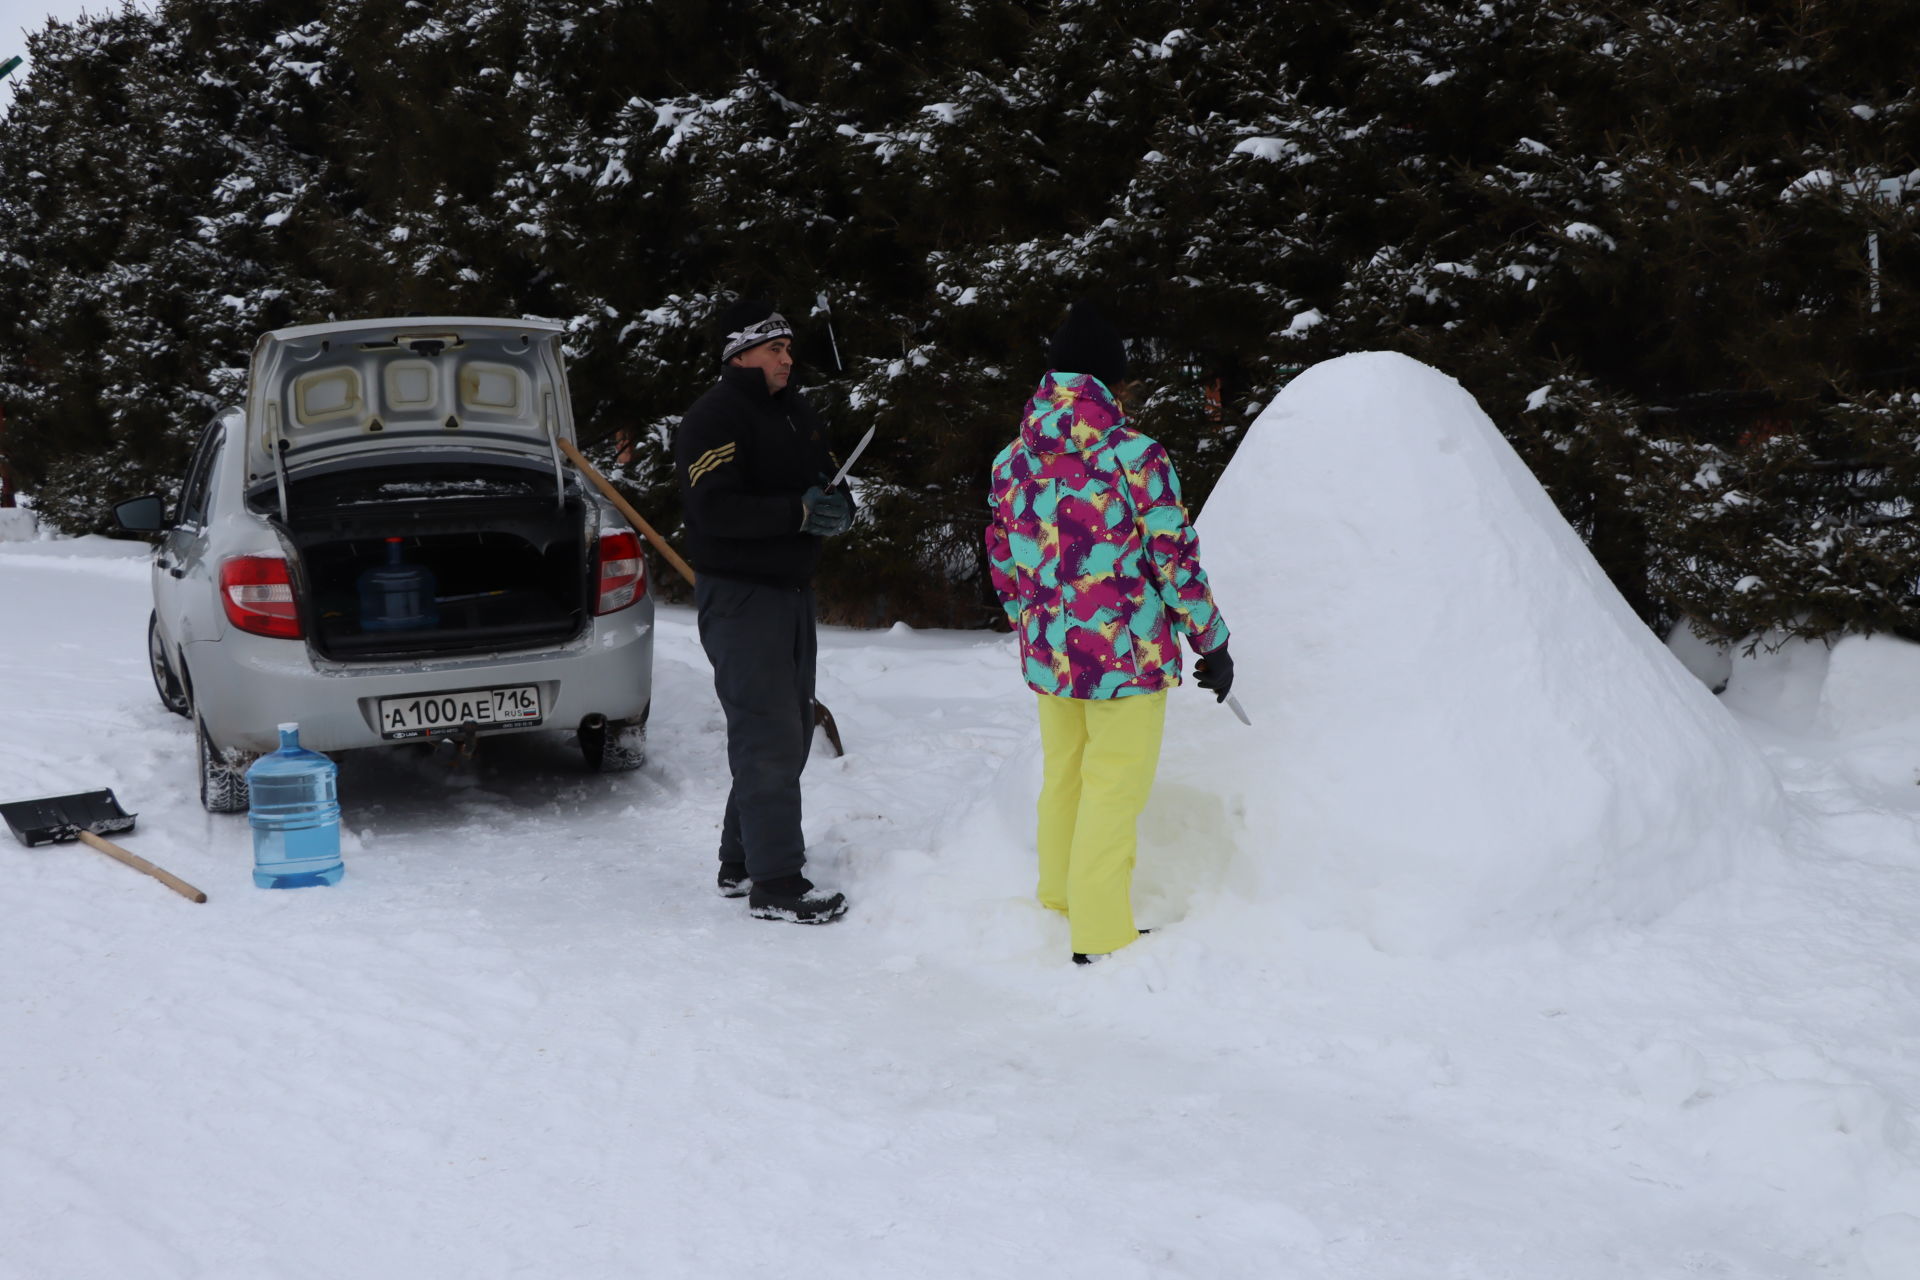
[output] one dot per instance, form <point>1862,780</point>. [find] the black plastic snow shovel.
<point>84,817</point>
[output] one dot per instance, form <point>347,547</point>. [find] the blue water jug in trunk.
<point>397,596</point>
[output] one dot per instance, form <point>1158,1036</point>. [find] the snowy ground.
<point>1497,950</point>
<point>523,1038</point>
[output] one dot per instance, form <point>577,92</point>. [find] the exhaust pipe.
<point>593,732</point>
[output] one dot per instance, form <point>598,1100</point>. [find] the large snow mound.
<point>1461,731</point>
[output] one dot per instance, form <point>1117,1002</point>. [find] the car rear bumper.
<point>244,685</point>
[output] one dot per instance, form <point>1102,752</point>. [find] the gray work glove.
<point>826,514</point>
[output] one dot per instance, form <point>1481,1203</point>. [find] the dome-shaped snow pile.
<point>1460,728</point>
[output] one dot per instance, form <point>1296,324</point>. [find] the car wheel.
<point>617,748</point>
<point>172,696</point>
<point>223,788</point>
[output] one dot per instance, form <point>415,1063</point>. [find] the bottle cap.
<point>291,726</point>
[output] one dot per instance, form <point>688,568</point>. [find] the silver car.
<point>384,545</point>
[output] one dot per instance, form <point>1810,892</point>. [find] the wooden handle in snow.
<point>139,863</point>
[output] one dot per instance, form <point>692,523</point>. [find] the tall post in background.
<point>6,472</point>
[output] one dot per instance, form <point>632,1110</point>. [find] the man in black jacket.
<point>751,457</point>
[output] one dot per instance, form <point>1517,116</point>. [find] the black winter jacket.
<point>743,458</point>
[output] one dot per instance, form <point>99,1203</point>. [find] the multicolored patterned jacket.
<point>1091,551</point>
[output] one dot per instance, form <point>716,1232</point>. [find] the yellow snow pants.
<point>1101,754</point>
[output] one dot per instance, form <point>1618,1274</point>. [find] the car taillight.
<point>257,593</point>
<point>623,574</point>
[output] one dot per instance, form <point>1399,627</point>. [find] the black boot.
<point>733,881</point>
<point>794,899</point>
<point>1081,957</point>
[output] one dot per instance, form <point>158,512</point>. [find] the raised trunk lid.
<point>352,390</point>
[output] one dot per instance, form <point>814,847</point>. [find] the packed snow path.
<point>523,1037</point>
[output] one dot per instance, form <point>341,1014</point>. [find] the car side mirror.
<point>145,514</point>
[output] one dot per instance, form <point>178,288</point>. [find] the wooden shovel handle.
<point>600,482</point>
<point>139,863</point>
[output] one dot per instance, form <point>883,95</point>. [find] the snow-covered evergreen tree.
<point>1668,246</point>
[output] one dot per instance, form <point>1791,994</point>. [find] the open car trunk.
<point>508,559</point>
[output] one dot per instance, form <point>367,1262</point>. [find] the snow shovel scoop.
<point>821,716</point>
<point>82,817</point>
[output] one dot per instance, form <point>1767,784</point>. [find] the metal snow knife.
<point>852,458</point>
<point>1233,705</point>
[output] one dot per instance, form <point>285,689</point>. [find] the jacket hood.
<point>1069,413</point>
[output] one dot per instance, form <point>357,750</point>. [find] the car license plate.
<point>426,714</point>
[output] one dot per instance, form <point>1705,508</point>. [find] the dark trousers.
<point>761,642</point>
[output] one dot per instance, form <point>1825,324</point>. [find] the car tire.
<point>619,748</point>
<point>173,696</point>
<point>223,788</point>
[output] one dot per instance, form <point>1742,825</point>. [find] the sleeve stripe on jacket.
<point>707,461</point>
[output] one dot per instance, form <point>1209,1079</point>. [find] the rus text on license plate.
<point>426,714</point>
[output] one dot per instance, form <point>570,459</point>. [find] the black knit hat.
<point>748,323</point>
<point>1086,343</point>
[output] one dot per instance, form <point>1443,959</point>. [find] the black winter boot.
<point>1081,957</point>
<point>734,881</point>
<point>794,899</point>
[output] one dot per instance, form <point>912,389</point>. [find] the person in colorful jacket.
<point>1098,568</point>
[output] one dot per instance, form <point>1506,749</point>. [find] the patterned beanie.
<point>1086,343</point>
<point>747,324</point>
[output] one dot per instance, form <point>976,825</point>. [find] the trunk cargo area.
<point>510,566</point>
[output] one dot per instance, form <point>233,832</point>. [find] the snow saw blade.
<point>852,458</point>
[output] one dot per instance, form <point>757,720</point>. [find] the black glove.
<point>826,514</point>
<point>1214,673</point>
<point>842,492</point>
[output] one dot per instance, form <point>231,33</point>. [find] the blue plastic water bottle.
<point>397,596</point>
<point>294,810</point>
